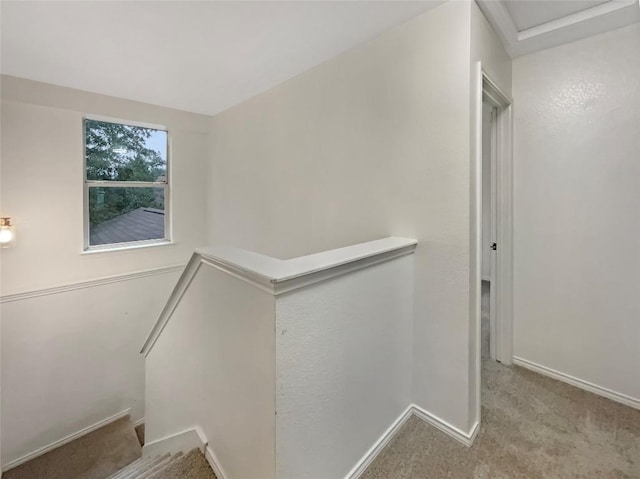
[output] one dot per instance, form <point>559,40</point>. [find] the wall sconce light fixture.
<point>7,233</point>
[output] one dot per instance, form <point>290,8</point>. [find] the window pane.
<point>121,215</point>
<point>116,152</point>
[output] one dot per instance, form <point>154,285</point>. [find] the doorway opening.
<point>496,225</point>
<point>492,233</point>
<point>489,236</point>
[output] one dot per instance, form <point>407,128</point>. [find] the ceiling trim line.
<point>574,18</point>
<point>501,20</point>
<point>591,21</point>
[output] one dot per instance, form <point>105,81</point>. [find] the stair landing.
<point>97,455</point>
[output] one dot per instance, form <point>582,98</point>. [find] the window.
<point>126,185</point>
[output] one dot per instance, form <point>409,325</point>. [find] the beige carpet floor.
<point>485,332</point>
<point>192,466</point>
<point>533,427</point>
<point>94,456</point>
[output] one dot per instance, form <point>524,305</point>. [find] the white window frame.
<point>166,185</point>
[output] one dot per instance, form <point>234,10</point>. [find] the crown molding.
<point>592,21</point>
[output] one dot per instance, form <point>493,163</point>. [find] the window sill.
<point>126,246</point>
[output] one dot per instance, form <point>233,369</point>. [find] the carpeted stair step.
<point>134,470</point>
<point>156,467</point>
<point>138,463</point>
<point>137,466</point>
<point>96,455</point>
<point>192,465</point>
<point>112,452</point>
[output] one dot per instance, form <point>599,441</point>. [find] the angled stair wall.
<point>300,365</point>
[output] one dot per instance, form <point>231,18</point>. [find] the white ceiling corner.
<point>526,26</point>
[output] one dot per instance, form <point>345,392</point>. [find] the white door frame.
<point>493,220</point>
<point>503,161</point>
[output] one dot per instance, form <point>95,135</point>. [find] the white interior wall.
<point>72,359</point>
<point>370,144</point>
<point>213,366</point>
<point>577,222</point>
<point>42,189</point>
<point>313,370</point>
<point>343,368</point>
<point>79,346</point>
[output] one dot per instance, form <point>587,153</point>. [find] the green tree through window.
<point>124,165</point>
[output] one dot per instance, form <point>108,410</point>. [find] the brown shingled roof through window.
<point>137,225</point>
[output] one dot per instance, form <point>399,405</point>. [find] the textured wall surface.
<point>373,143</point>
<point>577,221</point>
<point>343,368</point>
<point>213,366</point>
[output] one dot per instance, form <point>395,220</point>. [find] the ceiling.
<point>197,56</point>
<point>526,26</point>
<point>531,13</point>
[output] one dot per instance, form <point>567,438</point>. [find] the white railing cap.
<point>276,270</point>
<point>277,276</point>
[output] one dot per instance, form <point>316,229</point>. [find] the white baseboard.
<point>139,422</point>
<point>65,440</point>
<point>213,461</point>
<point>465,438</point>
<point>474,433</point>
<point>577,382</point>
<point>379,445</point>
<point>413,410</point>
<point>183,441</point>
<point>194,437</point>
